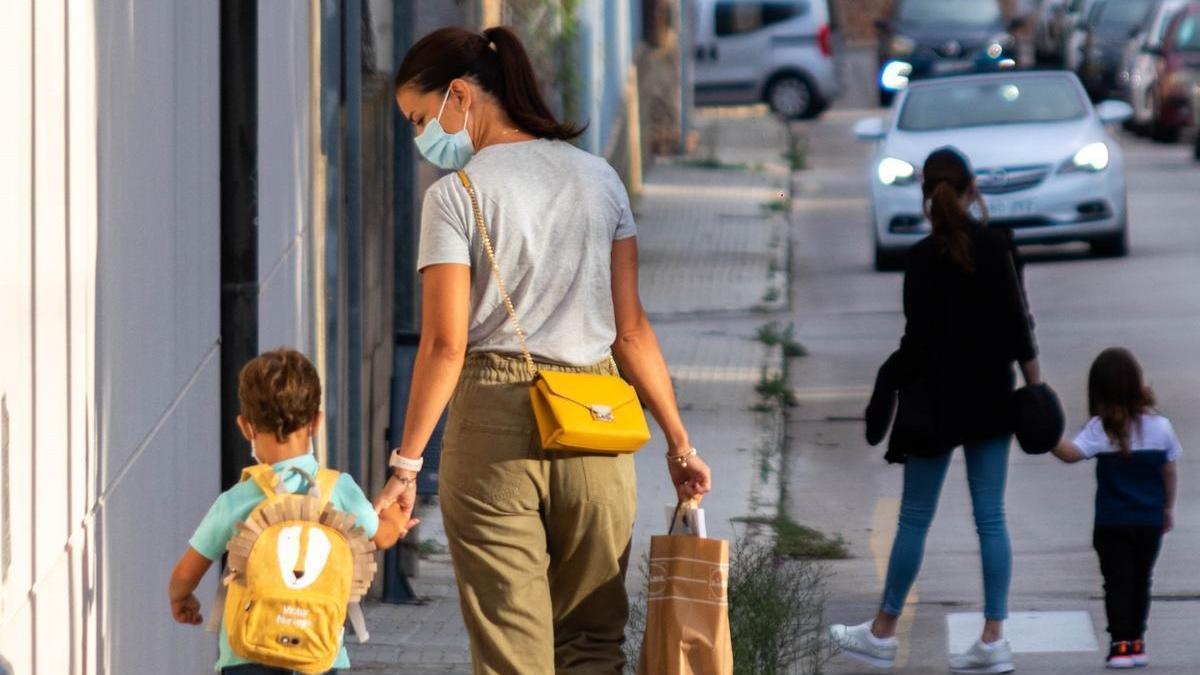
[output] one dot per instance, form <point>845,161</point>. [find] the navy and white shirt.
<point>1130,490</point>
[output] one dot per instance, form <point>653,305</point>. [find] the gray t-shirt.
<point>553,212</point>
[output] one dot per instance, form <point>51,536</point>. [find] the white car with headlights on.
<point>1043,157</point>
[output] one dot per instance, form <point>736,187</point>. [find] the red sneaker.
<point>1140,657</point>
<point>1120,655</point>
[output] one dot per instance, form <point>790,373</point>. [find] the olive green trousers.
<point>539,539</point>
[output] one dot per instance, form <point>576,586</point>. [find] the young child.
<point>1135,450</point>
<point>280,396</point>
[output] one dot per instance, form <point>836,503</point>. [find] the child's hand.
<point>1168,520</point>
<point>187,610</point>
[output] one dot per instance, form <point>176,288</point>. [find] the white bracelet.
<point>681,460</point>
<point>399,461</point>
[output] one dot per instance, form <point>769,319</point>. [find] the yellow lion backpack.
<point>296,568</point>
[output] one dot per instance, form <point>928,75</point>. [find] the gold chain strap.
<point>491,254</point>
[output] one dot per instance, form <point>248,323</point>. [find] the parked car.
<point>1142,62</point>
<point>1048,22</point>
<point>778,52</point>
<point>1112,25</point>
<point>928,38</point>
<point>1074,32</point>
<point>1174,92</point>
<point>1044,159</point>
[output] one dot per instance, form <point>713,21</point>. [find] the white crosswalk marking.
<point>1027,632</point>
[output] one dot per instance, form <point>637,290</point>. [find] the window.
<point>1021,100</point>
<point>1187,36</point>
<point>959,13</point>
<point>1123,15</point>
<point>735,18</point>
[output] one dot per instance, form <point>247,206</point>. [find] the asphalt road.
<point>849,319</point>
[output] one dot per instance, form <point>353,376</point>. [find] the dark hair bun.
<point>1038,418</point>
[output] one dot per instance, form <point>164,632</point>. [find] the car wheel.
<point>888,260</point>
<point>1196,149</point>
<point>793,97</point>
<point>1161,132</point>
<point>1112,245</point>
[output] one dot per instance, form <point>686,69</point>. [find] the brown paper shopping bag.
<point>687,613</point>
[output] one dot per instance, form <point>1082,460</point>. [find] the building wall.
<point>48,493</point>
<point>109,364</point>
<point>285,241</point>
<point>109,382</point>
<point>157,318</point>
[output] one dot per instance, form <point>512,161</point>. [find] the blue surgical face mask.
<point>446,151</point>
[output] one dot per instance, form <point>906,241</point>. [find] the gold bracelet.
<point>681,460</point>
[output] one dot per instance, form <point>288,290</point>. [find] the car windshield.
<point>1165,12</point>
<point>989,102</point>
<point>959,12</point>
<point>1187,36</point>
<point>1122,14</point>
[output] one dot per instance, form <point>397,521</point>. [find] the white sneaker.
<point>859,643</point>
<point>984,658</point>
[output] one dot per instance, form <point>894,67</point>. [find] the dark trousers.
<point>1127,555</point>
<point>255,669</point>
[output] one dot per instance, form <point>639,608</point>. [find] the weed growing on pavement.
<point>773,333</point>
<point>781,205</point>
<point>712,162</point>
<point>797,151</point>
<point>430,547</point>
<point>776,612</point>
<point>794,541</point>
<point>776,388</point>
<point>772,295</point>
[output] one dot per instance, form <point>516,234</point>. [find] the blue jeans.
<point>987,471</point>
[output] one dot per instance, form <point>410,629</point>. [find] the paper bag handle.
<point>683,504</point>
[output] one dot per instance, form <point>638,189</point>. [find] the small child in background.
<point>280,395</point>
<point>1135,450</point>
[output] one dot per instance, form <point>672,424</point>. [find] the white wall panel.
<point>16,312</point>
<point>51,328</point>
<point>145,531</point>
<point>137,371</point>
<point>284,168</point>
<point>157,306</point>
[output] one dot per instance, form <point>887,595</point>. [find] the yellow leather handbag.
<point>582,412</point>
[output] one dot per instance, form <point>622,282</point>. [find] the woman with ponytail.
<point>539,539</point>
<point>967,322</point>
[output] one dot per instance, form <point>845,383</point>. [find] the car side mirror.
<point>1113,112</point>
<point>870,130</point>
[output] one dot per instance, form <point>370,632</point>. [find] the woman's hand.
<point>1168,520</point>
<point>401,489</point>
<point>692,481</point>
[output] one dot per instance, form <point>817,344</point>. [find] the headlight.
<point>894,171</point>
<point>1092,158</point>
<point>902,46</point>
<point>894,75</point>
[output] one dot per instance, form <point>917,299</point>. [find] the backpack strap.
<point>263,476</point>
<point>327,482</point>
<point>358,621</point>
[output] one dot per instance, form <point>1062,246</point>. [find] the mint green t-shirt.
<point>236,503</point>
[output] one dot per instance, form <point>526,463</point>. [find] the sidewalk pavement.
<point>713,258</point>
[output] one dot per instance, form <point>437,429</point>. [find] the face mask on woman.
<point>446,151</point>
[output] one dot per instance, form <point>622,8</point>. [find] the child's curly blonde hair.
<point>279,392</point>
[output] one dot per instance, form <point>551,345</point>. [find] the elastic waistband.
<point>491,368</point>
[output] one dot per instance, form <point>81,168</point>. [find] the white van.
<point>775,51</point>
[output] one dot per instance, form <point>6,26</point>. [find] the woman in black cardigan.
<point>967,322</point>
